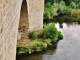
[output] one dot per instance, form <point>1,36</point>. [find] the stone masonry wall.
<point>36,8</point>
<point>9,23</point>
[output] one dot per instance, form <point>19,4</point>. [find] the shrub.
<point>40,35</point>
<point>50,31</point>
<point>73,5</point>
<point>48,41</point>
<point>50,11</point>
<point>68,10</point>
<point>32,35</point>
<point>61,7</point>
<point>47,14</point>
<point>57,7</point>
<point>60,36</point>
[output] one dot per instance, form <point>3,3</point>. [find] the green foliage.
<point>56,7</point>
<point>38,46</point>
<point>48,41</point>
<point>60,36</point>
<point>49,32</point>
<point>48,35</point>
<point>73,5</point>
<point>52,1</point>
<point>68,2</point>
<point>32,35</point>
<point>47,13</point>
<point>63,8</point>
<point>40,35</point>
<point>67,10</point>
<point>21,50</point>
<point>50,10</point>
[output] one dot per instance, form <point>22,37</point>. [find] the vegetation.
<point>57,7</point>
<point>50,11</point>
<point>31,46</point>
<point>40,41</point>
<point>32,35</point>
<point>50,32</point>
<point>60,35</point>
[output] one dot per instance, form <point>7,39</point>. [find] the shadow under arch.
<point>23,22</point>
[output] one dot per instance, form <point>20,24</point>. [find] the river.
<point>66,49</point>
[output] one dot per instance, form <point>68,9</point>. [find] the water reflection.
<point>61,25</point>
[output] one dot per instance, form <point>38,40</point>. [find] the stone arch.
<point>9,23</point>
<point>23,22</point>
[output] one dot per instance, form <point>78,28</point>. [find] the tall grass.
<point>58,8</point>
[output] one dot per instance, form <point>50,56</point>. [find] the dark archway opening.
<point>23,24</point>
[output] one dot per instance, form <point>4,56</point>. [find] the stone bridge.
<point>18,16</point>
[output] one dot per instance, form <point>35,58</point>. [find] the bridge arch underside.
<point>23,22</point>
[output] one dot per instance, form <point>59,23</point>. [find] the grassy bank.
<point>40,41</point>
<point>56,8</point>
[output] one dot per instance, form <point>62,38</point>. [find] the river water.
<point>66,49</point>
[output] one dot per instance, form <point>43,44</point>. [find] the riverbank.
<point>64,18</point>
<point>55,8</point>
<point>39,42</point>
<point>66,49</point>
